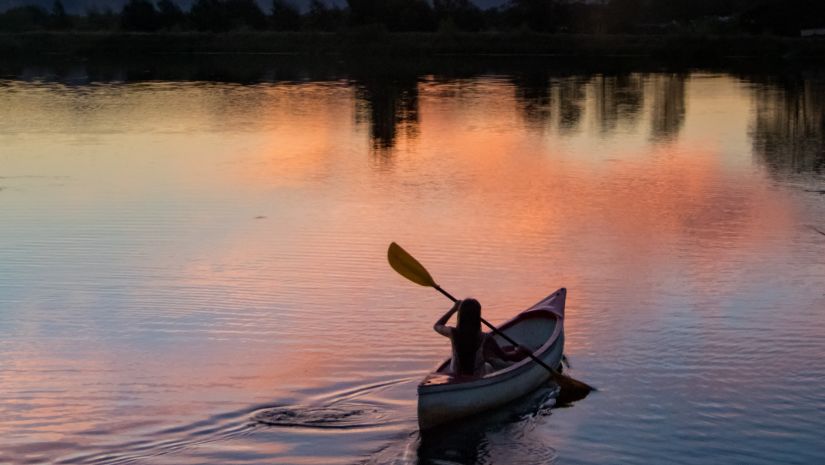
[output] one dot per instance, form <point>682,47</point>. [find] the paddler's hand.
<point>440,326</point>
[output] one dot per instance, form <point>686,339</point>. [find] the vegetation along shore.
<point>677,30</point>
<point>671,47</point>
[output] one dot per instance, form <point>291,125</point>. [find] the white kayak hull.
<point>443,398</point>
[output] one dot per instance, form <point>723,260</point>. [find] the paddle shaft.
<point>506,337</point>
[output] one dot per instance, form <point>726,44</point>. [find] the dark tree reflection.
<point>617,99</point>
<point>571,103</point>
<point>533,96</point>
<point>540,96</point>
<point>389,104</point>
<point>511,428</point>
<point>668,112</point>
<point>789,126</point>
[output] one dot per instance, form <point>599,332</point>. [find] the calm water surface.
<point>193,271</point>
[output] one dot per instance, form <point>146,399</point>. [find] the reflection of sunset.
<point>524,192</point>
<point>200,249</point>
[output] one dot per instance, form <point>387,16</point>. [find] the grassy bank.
<point>684,47</point>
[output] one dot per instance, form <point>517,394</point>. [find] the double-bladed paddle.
<point>407,266</point>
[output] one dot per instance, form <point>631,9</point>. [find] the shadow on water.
<point>511,434</point>
<point>511,429</point>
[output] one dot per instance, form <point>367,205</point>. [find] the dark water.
<point>192,258</point>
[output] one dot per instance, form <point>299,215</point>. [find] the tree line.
<point>780,17</point>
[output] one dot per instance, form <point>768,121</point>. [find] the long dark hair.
<point>468,334</point>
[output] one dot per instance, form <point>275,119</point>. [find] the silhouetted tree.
<point>24,18</point>
<point>687,10</point>
<point>285,16</point>
<point>223,15</point>
<point>244,14</point>
<point>623,15</point>
<point>538,15</point>
<point>96,20</point>
<point>209,15</point>
<point>583,17</point>
<point>464,14</point>
<point>409,15</point>
<point>786,17</point>
<point>495,18</point>
<point>170,15</point>
<point>321,17</point>
<point>395,15</point>
<point>59,18</point>
<point>662,15</point>
<point>363,12</point>
<point>139,15</point>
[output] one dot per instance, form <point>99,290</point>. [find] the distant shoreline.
<point>684,48</point>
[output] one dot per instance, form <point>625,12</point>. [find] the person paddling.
<point>475,353</point>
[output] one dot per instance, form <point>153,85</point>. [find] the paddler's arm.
<point>441,325</point>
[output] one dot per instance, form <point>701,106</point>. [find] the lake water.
<point>193,271</point>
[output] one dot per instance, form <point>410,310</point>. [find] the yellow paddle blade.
<point>408,267</point>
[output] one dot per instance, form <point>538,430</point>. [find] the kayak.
<point>443,398</point>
